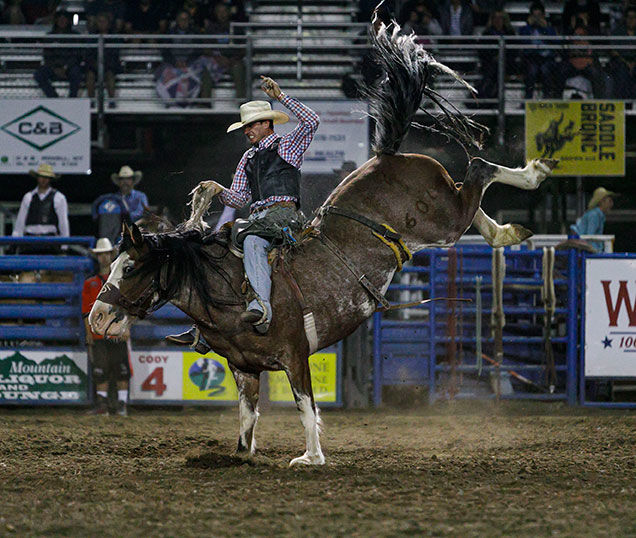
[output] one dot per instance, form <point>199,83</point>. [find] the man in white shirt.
<point>44,210</point>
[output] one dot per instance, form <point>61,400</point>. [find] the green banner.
<point>43,376</point>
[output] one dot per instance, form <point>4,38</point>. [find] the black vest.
<point>270,175</point>
<point>42,211</point>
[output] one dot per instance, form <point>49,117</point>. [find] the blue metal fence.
<point>419,347</point>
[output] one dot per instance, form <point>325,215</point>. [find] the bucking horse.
<point>335,276</point>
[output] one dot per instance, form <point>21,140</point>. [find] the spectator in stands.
<point>103,26</point>
<point>44,210</point>
<point>180,76</point>
<point>37,9</point>
<point>108,358</point>
<point>586,13</point>
<point>456,17</point>
<point>592,222</point>
<point>228,60</point>
<point>420,21</point>
<point>114,9</point>
<point>498,25</point>
<point>60,63</point>
<point>12,13</point>
<point>133,202</point>
<point>622,66</point>
<point>146,17</point>
<point>581,74</point>
<point>538,64</point>
<point>616,12</point>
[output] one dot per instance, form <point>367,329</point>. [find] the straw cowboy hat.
<point>44,170</point>
<point>127,172</point>
<point>103,245</point>
<point>598,195</point>
<point>258,111</point>
<point>347,166</point>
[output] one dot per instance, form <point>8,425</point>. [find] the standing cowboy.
<point>269,175</point>
<point>109,358</point>
<point>44,210</point>
<point>592,222</point>
<point>134,202</point>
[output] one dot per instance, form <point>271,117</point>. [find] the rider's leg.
<point>258,272</point>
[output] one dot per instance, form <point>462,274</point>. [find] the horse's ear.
<point>135,234</point>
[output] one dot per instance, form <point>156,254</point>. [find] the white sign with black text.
<point>343,135</point>
<point>51,131</point>
<point>610,317</point>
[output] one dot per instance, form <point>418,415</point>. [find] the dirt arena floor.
<point>460,469</point>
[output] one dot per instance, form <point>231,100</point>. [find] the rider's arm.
<point>294,144</point>
<point>239,194</point>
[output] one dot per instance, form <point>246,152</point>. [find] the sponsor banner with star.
<point>610,317</point>
<point>50,131</point>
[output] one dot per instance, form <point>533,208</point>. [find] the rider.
<point>269,175</point>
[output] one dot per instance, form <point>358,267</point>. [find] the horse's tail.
<point>397,95</point>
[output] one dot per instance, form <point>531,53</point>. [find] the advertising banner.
<point>43,377</point>
<point>208,378</point>
<point>343,135</point>
<point>610,317</point>
<point>51,131</point>
<point>588,137</point>
<point>156,375</point>
<point>324,380</point>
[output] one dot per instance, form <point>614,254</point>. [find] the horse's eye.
<point>128,269</point>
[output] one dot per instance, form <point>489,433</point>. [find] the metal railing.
<point>302,45</point>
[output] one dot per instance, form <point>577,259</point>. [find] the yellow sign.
<point>323,367</point>
<point>207,378</point>
<point>588,137</point>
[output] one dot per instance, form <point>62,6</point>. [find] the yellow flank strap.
<point>398,248</point>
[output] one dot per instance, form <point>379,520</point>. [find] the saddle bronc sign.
<point>51,131</point>
<point>610,317</point>
<point>588,137</point>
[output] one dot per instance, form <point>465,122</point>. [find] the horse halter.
<point>142,306</point>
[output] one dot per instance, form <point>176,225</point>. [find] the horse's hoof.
<point>550,163</point>
<point>308,459</point>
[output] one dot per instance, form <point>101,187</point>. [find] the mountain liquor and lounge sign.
<point>43,377</point>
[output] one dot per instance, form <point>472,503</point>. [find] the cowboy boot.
<point>193,338</point>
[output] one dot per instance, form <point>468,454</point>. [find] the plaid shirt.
<point>291,148</point>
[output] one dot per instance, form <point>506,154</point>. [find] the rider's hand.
<point>270,87</point>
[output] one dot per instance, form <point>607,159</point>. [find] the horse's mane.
<point>192,260</point>
<point>397,96</point>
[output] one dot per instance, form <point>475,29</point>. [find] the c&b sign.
<point>52,131</point>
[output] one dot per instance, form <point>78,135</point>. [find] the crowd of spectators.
<point>557,70</point>
<point>184,73</point>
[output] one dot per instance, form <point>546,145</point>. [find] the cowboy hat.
<point>258,111</point>
<point>44,170</point>
<point>103,245</point>
<point>126,172</point>
<point>598,195</point>
<point>347,166</point>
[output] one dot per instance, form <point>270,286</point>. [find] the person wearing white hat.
<point>44,210</point>
<point>268,174</point>
<point>592,222</point>
<point>133,201</point>
<point>109,360</point>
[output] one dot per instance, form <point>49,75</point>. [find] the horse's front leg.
<point>248,386</point>
<point>300,381</point>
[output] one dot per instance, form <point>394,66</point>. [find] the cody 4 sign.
<point>51,131</point>
<point>610,317</point>
<point>43,377</point>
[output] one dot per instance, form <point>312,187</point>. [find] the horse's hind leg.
<point>248,385</point>
<point>528,177</point>
<point>497,235</point>
<point>300,381</point>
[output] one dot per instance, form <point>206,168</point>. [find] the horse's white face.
<point>106,319</point>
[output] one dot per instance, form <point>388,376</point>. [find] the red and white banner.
<point>610,317</point>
